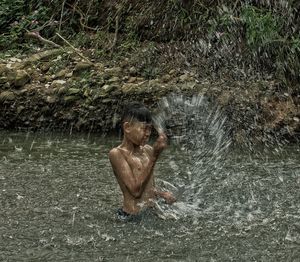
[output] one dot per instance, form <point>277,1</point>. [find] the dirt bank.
<point>55,89</point>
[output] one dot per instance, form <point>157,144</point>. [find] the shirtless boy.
<point>133,161</point>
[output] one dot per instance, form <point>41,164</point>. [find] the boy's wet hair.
<point>136,111</point>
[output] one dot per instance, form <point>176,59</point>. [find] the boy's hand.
<point>168,196</point>
<point>160,143</point>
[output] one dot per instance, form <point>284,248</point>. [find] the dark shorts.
<point>125,217</point>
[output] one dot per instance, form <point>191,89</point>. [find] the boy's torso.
<point>137,161</point>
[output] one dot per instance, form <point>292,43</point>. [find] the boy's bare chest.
<point>139,163</point>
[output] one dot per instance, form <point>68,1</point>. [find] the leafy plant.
<point>16,19</point>
<point>10,11</point>
<point>261,26</point>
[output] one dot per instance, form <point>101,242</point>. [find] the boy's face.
<point>138,132</point>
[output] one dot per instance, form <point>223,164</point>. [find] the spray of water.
<point>198,129</point>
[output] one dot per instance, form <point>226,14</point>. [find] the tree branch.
<point>61,15</point>
<point>74,49</point>
<point>37,35</point>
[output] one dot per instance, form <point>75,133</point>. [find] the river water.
<point>59,197</point>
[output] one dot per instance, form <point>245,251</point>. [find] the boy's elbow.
<point>136,192</point>
<point>136,195</point>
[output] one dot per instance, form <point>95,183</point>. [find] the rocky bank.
<point>54,89</point>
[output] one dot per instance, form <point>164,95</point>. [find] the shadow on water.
<point>59,197</point>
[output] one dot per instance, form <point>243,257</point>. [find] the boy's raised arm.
<point>160,144</point>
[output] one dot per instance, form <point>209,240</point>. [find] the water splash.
<point>236,188</point>
<point>199,130</point>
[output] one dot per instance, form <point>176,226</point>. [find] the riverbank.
<point>57,89</point>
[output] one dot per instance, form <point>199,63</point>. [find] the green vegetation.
<point>261,26</point>
<point>265,35</point>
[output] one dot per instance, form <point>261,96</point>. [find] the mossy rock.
<point>82,66</point>
<point>61,73</point>
<point>109,88</point>
<point>128,88</point>
<point>22,78</point>
<point>20,109</point>
<point>71,99</point>
<point>61,90</point>
<point>3,69</point>
<point>51,99</point>
<point>3,80</point>
<point>7,96</point>
<point>114,79</point>
<point>58,83</point>
<point>73,91</point>
<point>43,56</point>
<point>111,72</point>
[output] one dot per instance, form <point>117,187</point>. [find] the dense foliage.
<point>262,34</point>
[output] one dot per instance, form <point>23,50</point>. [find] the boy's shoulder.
<point>114,152</point>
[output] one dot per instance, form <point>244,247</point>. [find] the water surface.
<point>59,196</point>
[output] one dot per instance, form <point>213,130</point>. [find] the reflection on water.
<point>58,198</point>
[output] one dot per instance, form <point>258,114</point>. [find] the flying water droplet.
<point>198,129</point>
